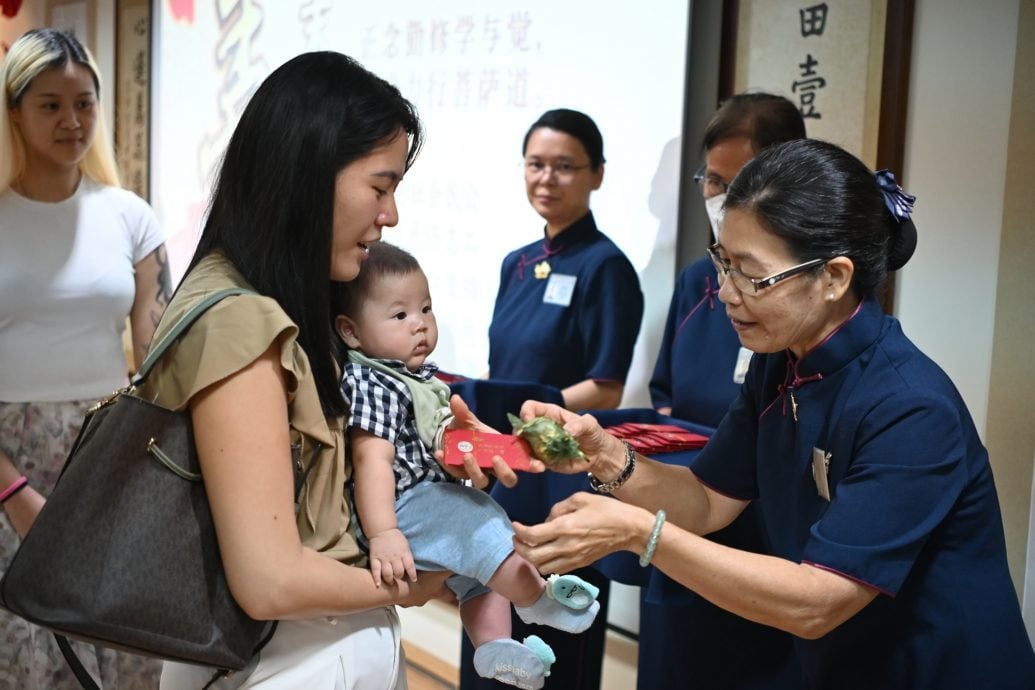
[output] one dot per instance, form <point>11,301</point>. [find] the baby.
<point>411,513</point>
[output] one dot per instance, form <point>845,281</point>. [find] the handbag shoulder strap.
<point>182,325</point>
<point>86,681</point>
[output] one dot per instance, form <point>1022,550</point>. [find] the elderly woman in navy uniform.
<point>567,315</point>
<point>889,563</point>
<point>698,373</point>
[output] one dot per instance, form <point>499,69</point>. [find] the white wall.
<point>960,88</point>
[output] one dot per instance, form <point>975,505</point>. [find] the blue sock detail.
<point>542,650</point>
<point>572,591</point>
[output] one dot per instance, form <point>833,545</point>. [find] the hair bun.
<point>902,244</point>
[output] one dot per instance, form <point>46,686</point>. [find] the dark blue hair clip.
<point>898,202</point>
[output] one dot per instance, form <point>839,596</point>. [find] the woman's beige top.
<point>225,339</point>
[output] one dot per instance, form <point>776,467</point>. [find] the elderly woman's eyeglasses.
<point>748,285</point>
<point>710,184</point>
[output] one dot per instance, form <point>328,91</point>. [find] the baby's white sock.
<point>508,661</point>
<point>567,603</point>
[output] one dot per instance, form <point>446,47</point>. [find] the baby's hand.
<point>390,558</point>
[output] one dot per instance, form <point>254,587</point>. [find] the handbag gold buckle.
<point>104,402</point>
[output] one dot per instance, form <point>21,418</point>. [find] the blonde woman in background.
<point>79,255</point>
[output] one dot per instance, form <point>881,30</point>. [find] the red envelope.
<point>657,438</point>
<point>484,446</point>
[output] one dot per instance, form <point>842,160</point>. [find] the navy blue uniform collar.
<point>843,345</point>
<point>582,230</point>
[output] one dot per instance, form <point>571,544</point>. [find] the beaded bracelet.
<point>16,486</point>
<point>652,541</point>
<point>616,483</point>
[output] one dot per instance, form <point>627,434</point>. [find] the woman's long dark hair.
<point>824,202</point>
<point>272,208</point>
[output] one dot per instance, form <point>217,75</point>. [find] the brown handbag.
<point>124,552</point>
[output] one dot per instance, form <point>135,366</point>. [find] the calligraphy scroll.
<point>132,93</point>
<point>825,57</point>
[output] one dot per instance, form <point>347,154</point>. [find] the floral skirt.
<point>38,437</point>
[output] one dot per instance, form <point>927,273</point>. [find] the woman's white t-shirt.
<point>66,287</point>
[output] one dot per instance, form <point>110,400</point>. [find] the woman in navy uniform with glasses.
<point>889,563</point>
<point>569,304</point>
<point>567,315</point>
<point>700,367</point>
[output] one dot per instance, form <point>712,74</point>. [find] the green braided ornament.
<point>548,439</point>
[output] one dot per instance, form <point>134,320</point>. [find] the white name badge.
<point>741,369</point>
<point>559,290</point>
<point>820,468</point>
